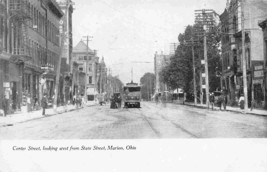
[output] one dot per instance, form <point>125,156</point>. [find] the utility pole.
<point>205,18</point>
<point>86,65</point>
<point>245,89</point>
<point>206,68</point>
<point>62,38</point>
<point>194,72</point>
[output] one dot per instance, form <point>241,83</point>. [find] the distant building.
<point>87,61</point>
<point>160,61</point>
<point>102,77</point>
<point>173,47</point>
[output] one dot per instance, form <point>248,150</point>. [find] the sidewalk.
<point>21,117</point>
<point>232,109</point>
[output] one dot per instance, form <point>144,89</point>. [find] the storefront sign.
<point>258,71</point>
<point>258,81</point>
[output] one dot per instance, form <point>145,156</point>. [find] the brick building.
<point>30,49</point>
<point>232,78</point>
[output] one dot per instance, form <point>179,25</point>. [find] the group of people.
<point>115,102</point>
<point>221,100</point>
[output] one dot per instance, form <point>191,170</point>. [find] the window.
<point>90,80</point>
<point>84,58</point>
<point>90,68</point>
<point>80,68</point>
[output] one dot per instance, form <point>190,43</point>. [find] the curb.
<point>249,113</point>
<point>46,116</point>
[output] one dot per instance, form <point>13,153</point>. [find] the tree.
<point>179,73</point>
<point>148,85</point>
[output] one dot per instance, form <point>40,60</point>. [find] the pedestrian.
<point>220,101</point>
<point>119,101</point>
<point>113,103</point>
<point>157,98</point>
<point>29,103</point>
<point>83,101</point>
<point>5,105</point>
<point>241,101</point>
<point>44,104</point>
<point>224,95</point>
<point>212,100</point>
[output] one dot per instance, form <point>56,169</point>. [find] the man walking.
<point>44,104</point>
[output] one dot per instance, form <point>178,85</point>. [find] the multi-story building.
<point>88,64</point>
<point>260,71</point>
<point>232,78</point>
<point>31,47</point>
<point>160,60</point>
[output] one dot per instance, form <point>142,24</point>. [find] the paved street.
<point>149,122</point>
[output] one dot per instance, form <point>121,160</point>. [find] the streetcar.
<point>132,95</point>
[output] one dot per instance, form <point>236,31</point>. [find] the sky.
<point>127,33</point>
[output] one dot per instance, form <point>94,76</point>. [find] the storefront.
<point>258,84</point>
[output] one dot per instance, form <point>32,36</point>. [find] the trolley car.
<point>132,95</point>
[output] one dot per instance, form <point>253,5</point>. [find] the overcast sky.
<point>133,30</point>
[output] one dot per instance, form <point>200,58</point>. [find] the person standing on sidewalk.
<point>224,96</point>
<point>44,104</point>
<point>241,101</point>
<point>212,100</point>
<point>5,105</point>
<point>29,104</point>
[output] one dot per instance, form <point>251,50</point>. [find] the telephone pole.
<point>245,89</point>
<point>194,72</point>
<point>86,65</point>
<point>62,38</point>
<point>206,19</point>
<point>206,68</point>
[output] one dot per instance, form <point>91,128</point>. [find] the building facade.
<point>261,73</point>
<point>88,64</point>
<point>102,77</point>
<point>232,78</point>
<point>30,43</point>
<point>160,60</point>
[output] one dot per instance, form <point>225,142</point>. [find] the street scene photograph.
<point>123,69</point>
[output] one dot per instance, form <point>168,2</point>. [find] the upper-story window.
<point>90,67</point>
<point>235,24</point>
<point>80,68</point>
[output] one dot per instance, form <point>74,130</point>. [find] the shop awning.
<point>19,58</point>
